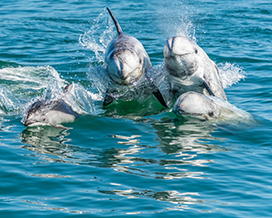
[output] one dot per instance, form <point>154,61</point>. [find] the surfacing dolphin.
<point>190,69</point>
<point>209,108</point>
<point>126,62</point>
<point>51,112</point>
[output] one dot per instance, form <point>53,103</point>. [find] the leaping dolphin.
<point>209,108</point>
<point>190,68</point>
<point>126,62</point>
<point>50,112</point>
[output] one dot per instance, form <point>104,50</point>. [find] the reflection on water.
<point>47,140</point>
<point>170,196</point>
<point>181,136</point>
<point>178,153</point>
<point>181,144</point>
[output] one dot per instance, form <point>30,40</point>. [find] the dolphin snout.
<point>28,122</point>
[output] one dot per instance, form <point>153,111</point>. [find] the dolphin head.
<point>196,105</point>
<point>180,56</point>
<point>50,112</point>
<point>125,67</point>
<point>36,113</point>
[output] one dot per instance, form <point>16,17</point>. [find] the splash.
<point>8,102</point>
<point>99,36</point>
<point>21,84</point>
<point>230,74</point>
<point>26,82</point>
<point>185,28</point>
<point>79,99</point>
<point>96,39</point>
<point>26,85</point>
<point>99,82</point>
<point>176,20</point>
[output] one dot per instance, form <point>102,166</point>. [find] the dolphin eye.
<point>196,51</point>
<point>211,114</point>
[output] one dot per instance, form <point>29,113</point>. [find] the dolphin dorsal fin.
<point>68,88</point>
<point>119,30</point>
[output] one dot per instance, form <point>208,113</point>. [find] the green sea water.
<point>135,158</point>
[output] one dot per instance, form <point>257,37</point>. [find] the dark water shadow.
<point>133,109</point>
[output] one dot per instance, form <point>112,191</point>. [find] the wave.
<point>230,74</point>
<point>26,82</point>
<point>22,86</point>
<point>8,102</point>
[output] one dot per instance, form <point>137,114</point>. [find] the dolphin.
<point>190,69</point>
<point>209,108</point>
<point>50,112</point>
<point>126,62</point>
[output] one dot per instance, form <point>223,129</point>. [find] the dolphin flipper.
<point>214,89</point>
<point>108,99</point>
<point>160,98</point>
<point>208,88</point>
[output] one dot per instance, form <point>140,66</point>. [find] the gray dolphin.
<point>126,62</point>
<point>210,108</point>
<point>190,68</point>
<point>50,112</point>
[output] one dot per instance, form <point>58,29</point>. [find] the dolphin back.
<point>119,30</point>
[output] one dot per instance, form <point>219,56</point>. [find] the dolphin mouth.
<point>28,122</point>
<point>182,112</point>
<point>174,55</point>
<point>126,80</point>
<point>33,123</point>
<point>181,55</point>
<point>196,116</point>
<point>192,114</point>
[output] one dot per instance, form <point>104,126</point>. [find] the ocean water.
<point>135,158</point>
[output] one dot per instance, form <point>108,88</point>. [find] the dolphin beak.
<point>28,122</point>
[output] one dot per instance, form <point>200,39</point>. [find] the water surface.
<point>134,159</point>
